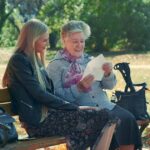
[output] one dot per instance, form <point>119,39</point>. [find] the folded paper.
<point>94,67</point>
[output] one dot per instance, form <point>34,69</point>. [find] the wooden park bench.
<point>32,144</point>
<point>143,124</point>
<point>26,144</point>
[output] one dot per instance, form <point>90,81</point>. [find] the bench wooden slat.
<point>7,107</point>
<point>4,95</point>
<point>5,101</point>
<point>34,143</point>
<point>143,122</point>
<point>30,144</point>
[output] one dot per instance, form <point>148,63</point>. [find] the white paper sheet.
<point>94,67</point>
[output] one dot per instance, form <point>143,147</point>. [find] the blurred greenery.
<point>115,24</point>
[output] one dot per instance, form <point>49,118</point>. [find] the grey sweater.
<point>56,70</point>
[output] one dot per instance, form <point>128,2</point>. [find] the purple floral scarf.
<point>74,72</point>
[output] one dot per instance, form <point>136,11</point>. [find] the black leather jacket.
<point>26,93</point>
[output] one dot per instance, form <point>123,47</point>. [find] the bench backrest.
<point>5,101</point>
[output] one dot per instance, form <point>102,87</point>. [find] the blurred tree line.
<point>115,24</point>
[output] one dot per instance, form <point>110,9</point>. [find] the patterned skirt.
<point>81,128</point>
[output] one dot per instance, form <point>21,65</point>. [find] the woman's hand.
<point>89,108</point>
<point>107,67</point>
<point>85,84</point>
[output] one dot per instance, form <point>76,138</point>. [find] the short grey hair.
<point>76,26</point>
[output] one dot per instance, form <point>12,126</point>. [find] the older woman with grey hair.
<point>66,71</point>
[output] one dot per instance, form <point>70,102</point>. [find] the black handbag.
<point>8,131</point>
<point>131,98</point>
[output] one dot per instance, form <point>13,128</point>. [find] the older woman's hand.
<point>84,85</point>
<point>89,108</point>
<point>107,67</point>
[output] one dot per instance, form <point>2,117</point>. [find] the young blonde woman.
<point>66,71</point>
<point>32,94</point>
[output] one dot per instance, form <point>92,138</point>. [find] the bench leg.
<point>142,128</point>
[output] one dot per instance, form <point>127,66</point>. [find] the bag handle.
<point>125,71</point>
<point>141,84</point>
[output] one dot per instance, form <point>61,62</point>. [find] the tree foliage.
<point>123,23</point>
<point>13,13</point>
<point>114,24</point>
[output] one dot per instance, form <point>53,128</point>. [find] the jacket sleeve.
<point>23,71</point>
<point>55,71</point>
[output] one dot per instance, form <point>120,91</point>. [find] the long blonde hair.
<point>29,33</point>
